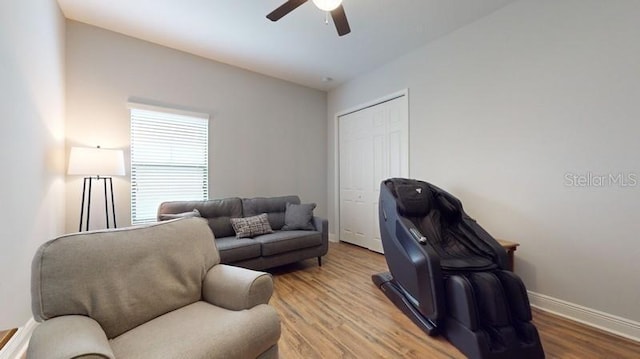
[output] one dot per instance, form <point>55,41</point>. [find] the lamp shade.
<point>96,162</point>
<point>327,5</point>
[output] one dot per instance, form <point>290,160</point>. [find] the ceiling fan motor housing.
<point>333,6</point>
<point>327,5</point>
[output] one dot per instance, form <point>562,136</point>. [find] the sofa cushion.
<point>274,207</point>
<point>299,216</point>
<point>168,216</point>
<point>286,241</point>
<point>143,282</point>
<point>251,226</point>
<point>233,249</point>
<point>202,331</point>
<point>217,212</point>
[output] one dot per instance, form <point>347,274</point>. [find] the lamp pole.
<point>83,161</point>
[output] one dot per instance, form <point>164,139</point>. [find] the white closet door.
<point>374,145</point>
<point>355,145</point>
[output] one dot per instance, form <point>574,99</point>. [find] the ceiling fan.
<point>333,6</point>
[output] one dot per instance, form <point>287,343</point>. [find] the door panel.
<point>373,146</point>
<point>395,153</point>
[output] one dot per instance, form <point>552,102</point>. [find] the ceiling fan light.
<point>327,5</point>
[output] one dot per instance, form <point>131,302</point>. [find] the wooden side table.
<point>510,247</point>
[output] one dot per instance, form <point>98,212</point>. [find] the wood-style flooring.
<point>5,336</point>
<point>335,311</point>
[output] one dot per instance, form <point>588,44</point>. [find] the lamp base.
<point>86,201</point>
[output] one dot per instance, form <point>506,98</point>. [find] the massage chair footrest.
<point>504,331</point>
<point>475,345</point>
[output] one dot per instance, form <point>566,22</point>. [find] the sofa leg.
<point>319,261</point>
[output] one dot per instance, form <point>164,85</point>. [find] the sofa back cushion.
<point>274,207</point>
<point>125,277</point>
<point>218,212</point>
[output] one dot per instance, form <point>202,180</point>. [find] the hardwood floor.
<point>335,311</point>
<point>5,335</point>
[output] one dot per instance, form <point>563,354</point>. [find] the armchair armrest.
<point>236,288</point>
<point>69,336</point>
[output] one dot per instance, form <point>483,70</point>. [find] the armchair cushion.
<point>125,277</point>
<point>70,336</point>
<point>236,288</point>
<point>202,331</point>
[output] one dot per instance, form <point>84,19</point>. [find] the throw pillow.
<point>299,217</point>
<point>168,216</point>
<point>251,226</point>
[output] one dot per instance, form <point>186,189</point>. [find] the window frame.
<point>176,165</point>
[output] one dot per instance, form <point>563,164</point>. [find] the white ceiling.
<point>299,48</point>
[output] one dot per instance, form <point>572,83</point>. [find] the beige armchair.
<point>155,291</point>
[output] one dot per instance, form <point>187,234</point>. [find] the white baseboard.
<point>333,238</point>
<point>608,322</point>
<point>17,345</point>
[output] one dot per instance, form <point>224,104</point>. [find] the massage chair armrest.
<point>431,279</point>
<point>69,336</point>
<point>236,288</point>
<point>500,254</point>
<point>403,232</point>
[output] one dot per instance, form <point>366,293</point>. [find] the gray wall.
<point>31,145</point>
<point>267,136</point>
<point>503,109</point>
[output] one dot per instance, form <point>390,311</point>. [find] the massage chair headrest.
<point>416,199</point>
<point>413,198</point>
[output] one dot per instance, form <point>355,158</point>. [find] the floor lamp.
<point>96,164</point>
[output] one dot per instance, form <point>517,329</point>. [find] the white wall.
<point>503,109</point>
<point>267,136</point>
<point>31,145</point>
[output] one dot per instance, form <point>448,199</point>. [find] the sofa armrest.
<point>236,288</point>
<point>322,225</point>
<point>69,336</point>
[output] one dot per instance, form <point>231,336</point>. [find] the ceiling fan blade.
<point>284,9</point>
<point>340,20</point>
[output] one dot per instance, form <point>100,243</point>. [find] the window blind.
<point>169,160</point>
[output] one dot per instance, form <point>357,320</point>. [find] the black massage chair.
<point>450,276</point>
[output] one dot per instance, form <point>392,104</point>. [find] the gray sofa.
<point>263,251</point>
<point>155,291</point>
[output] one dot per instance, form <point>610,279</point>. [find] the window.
<point>169,159</point>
